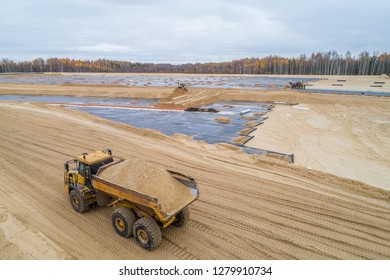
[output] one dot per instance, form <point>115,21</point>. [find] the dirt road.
<point>249,208</point>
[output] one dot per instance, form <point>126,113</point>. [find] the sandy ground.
<point>250,207</point>
<point>351,141</point>
<point>352,83</point>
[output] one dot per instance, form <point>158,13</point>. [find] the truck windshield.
<point>95,167</point>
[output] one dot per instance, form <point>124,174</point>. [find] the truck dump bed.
<point>148,185</point>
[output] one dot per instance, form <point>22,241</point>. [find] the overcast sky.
<point>190,30</point>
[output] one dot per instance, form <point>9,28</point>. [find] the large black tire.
<point>181,218</point>
<point>123,220</point>
<point>77,202</point>
<point>147,233</point>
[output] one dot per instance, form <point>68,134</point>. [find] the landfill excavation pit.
<point>222,127</point>
<point>318,84</point>
<point>205,81</point>
<point>250,207</point>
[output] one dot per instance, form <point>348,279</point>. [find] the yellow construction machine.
<point>136,213</point>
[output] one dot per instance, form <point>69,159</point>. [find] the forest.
<point>320,63</point>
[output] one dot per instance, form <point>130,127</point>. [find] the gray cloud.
<point>188,31</point>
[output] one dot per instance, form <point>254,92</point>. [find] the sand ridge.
<point>224,120</point>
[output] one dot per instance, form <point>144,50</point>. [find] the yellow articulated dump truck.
<point>147,197</point>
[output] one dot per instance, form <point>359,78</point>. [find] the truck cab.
<point>78,174</point>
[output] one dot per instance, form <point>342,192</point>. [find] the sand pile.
<point>180,91</point>
<point>240,139</point>
<point>222,120</point>
<point>252,123</point>
<point>245,131</point>
<point>248,118</point>
<point>150,179</point>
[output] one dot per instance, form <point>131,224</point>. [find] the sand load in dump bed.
<point>149,179</point>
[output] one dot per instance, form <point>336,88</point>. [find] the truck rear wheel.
<point>147,233</point>
<point>77,202</point>
<point>123,220</point>
<point>181,218</point>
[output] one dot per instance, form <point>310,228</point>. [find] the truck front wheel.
<point>147,233</point>
<point>77,202</point>
<point>123,220</point>
<point>181,218</point>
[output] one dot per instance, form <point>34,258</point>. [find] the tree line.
<point>321,63</point>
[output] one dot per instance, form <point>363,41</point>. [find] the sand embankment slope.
<point>249,207</point>
<point>349,140</point>
<point>86,90</point>
<point>168,97</point>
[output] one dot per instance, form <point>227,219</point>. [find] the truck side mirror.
<point>67,166</point>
